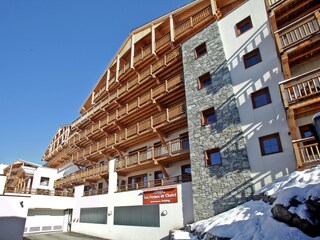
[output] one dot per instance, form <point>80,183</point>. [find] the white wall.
<point>3,180</point>
<point>175,218</point>
<point>50,173</point>
<point>267,119</point>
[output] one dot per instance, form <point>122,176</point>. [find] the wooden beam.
<point>132,52</point>
<point>164,171</point>
<point>171,29</point>
<point>292,124</point>
<point>118,150</point>
<point>160,134</point>
<point>160,107</point>
<point>117,68</point>
<point>285,66</point>
<point>215,10</point>
<point>107,80</point>
<point>153,40</point>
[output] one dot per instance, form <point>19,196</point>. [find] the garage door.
<point>44,220</point>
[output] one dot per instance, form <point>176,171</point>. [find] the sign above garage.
<point>160,196</point>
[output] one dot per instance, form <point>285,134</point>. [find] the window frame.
<point>200,50</point>
<point>267,137</point>
<point>250,55</point>
<point>203,78</point>
<point>208,160</point>
<point>258,93</point>
<point>242,23</point>
<point>206,113</point>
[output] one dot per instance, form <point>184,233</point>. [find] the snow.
<point>253,219</point>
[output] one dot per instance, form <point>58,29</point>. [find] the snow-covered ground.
<point>253,219</point>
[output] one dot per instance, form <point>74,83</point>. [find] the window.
<point>252,58</point>
<point>94,215</point>
<point>200,50</point>
<point>260,98</point>
<point>137,182</point>
<point>270,144</point>
<point>213,157</point>
<point>44,181</point>
<point>186,173</point>
<point>184,137</point>
<point>204,80</point>
<point>243,26</point>
<point>146,216</point>
<point>209,116</point>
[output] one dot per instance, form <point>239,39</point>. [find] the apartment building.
<point>197,110</point>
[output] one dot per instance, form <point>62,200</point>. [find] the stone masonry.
<point>216,188</point>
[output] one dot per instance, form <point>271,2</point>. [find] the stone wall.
<point>216,188</point>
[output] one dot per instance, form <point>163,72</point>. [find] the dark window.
<point>200,50</point>
<point>213,157</point>
<point>306,131</point>
<point>138,182</point>
<point>186,173</point>
<point>252,58</point>
<point>244,25</point>
<point>209,116</point>
<point>44,181</point>
<point>146,216</point>
<point>260,98</point>
<point>100,185</point>
<point>94,215</point>
<point>184,137</point>
<point>158,175</point>
<point>270,144</point>
<point>204,80</point>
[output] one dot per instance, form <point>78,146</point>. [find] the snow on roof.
<point>254,220</point>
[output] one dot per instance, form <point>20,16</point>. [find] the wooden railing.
<point>39,191</point>
<point>162,41</point>
<point>166,149</point>
<point>134,130</point>
<point>307,151</point>
<point>92,192</point>
<point>298,88</point>
<point>192,21</point>
<point>167,59</point>
<point>129,107</point>
<point>272,3</point>
<point>298,31</point>
<point>156,183</point>
<point>82,175</point>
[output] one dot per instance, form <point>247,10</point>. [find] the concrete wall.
<point>50,173</point>
<point>270,118</point>
<point>216,188</point>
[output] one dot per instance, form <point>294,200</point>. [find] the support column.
<point>108,78</point>
<point>132,51</point>
<point>171,29</point>
<point>117,68</point>
<point>153,40</point>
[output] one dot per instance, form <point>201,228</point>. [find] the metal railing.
<point>306,151</point>
<point>166,149</point>
<point>298,88</point>
<point>156,183</point>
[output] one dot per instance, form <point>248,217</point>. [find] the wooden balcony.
<point>171,151</point>
<point>132,133</point>
<point>298,31</point>
<point>301,88</point>
<point>143,76</point>
<point>191,22</point>
<point>82,176</point>
<point>307,154</point>
<point>93,192</point>
<point>156,183</point>
<point>95,130</point>
<point>39,191</point>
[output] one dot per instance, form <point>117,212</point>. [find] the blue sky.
<point>52,53</point>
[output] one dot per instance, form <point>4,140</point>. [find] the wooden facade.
<point>296,28</point>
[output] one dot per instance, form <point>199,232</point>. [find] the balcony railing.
<point>82,175</point>
<point>166,60</point>
<point>272,3</point>
<point>307,151</point>
<point>301,87</point>
<point>156,183</point>
<point>167,149</point>
<point>92,192</point>
<point>39,191</point>
<point>192,21</point>
<point>298,31</point>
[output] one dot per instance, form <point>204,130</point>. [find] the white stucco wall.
<point>270,118</point>
<point>50,173</point>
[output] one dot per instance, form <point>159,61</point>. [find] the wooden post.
<point>132,52</point>
<point>107,80</point>
<point>292,124</point>
<point>285,65</point>
<point>153,39</point>
<point>171,29</point>
<point>117,68</point>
